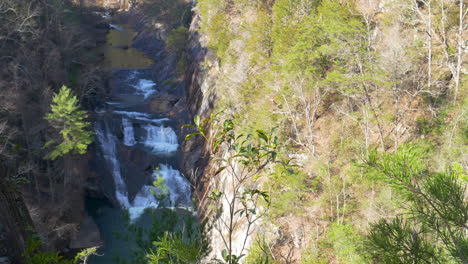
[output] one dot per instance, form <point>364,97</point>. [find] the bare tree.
<point>302,108</point>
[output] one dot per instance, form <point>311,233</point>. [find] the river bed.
<point>137,148</point>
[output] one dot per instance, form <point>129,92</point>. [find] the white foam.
<point>143,200</point>
<point>107,142</point>
<point>145,87</point>
<point>142,117</point>
<point>133,74</point>
<point>178,192</point>
<point>104,15</point>
<point>116,27</point>
<point>178,186</point>
<point>132,114</point>
<point>129,133</point>
<point>160,139</point>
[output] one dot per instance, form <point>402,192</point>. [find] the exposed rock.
<point>138,164</point>
<point>4,260</point>
<point>14,223</point>
<point>88,236</point>
<point>102,26</point>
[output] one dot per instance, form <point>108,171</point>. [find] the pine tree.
<point>434,226</point>
<point>67,117</point>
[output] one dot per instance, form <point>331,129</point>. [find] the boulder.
<point>88,236</point>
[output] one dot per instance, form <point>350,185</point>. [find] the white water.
<point>177,192</point>
<point>178,186</point>
<point>108,141</point>
<point>143,200</point>
<point>119,28</point>
<point>141,117</point>
<point>129,133</point>
<point>104,15</point>
<point>160,139</point>
<point>145,87</point>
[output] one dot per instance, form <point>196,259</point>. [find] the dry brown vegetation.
<point>43,45</point>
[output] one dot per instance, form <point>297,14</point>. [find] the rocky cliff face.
<point>14,223</point>
<point>202,99</point>
<point>326,127</point>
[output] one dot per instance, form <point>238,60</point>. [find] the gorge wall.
<point>335,92</point>
<point>338,79</point>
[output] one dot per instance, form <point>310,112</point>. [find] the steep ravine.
<point>137,133</point>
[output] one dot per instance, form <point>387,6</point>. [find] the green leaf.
<point>228,125</point>
<point>262,134</point>
<point>219,171</point>
<point>189,136</point>
<point>224,254</point>
<point>196,120</point>
<point>188,125</point>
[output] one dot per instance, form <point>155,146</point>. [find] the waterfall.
<point>160,139</point>
<point>153,136</point>
<point>107,142</point>
<point>178,186</point>
<point>132,140</point>
<point>119,28</point>
<point>142,117</point>
<point>144,199</point>
<point>129,133</point>
<point>145,88</point>
<point>163,140</point>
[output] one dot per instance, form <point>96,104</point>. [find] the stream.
<point>137,148</point>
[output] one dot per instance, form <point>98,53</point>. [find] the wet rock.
<point>102,26</point>
<point>4,260</point>
<point>137,164</point>
<point>88,236</point>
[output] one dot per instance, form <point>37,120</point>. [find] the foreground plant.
<point>238,200</point>
<point>434,228</point>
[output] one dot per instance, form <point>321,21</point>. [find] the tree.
<point>67,117</point>
<point>34,254</point>
<point>174,248</point>
<point>172,237</point>
<point>238,201</point>
<point>434,226</point>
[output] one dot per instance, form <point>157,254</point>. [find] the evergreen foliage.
<point>174,248</point>
<point>171,237</point>
<point>434,228</point>
<point>67,117</point>
<point>33,254</point>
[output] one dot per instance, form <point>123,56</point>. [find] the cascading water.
<point>125,127</point>
<point>160,139</point>
<point>157,139</point>
<point>119,28</point>
<point>129,133</point>
<point>145,87</point>
<point>107,141</point>
<point>177,187</point>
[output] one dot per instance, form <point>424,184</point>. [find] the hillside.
<point>304,131</point>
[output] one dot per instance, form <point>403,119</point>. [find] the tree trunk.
<point>459,49</point>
